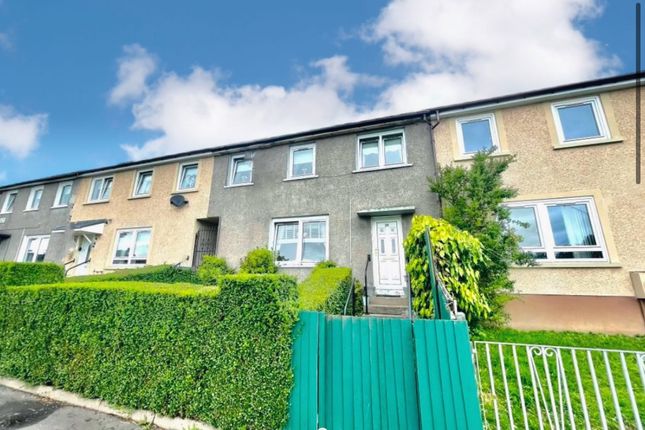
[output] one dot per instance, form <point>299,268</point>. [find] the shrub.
<point>212,268</point>
<point>30,273</point>
<point>217,354</point>
<point>456,254</point>
<point>326,289</point>
<point>259,260</point>
<point>326,264</point>
<point>164,274</point>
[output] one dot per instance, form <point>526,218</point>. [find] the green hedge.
<point>30,273</point>
<point>326,290</point>
<point>216,354</point>
<point>164,273</point>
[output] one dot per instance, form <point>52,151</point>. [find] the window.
<point>35,195</point>
<point>477,133</point>
<point>101,189</point>
<point>300,241</point>
<point>187,177</point>
<point>381,150</point>
<point>580,120</point>
<point>302,161</point>
<point>33,249</point>
<point>143,183</point>
<point>131,247</point>
<point>559,230</point>
<point>9,202</point>
<point>241,171</point>
<point>63,195</point>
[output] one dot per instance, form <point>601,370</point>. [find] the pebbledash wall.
<point>349,197</point>
<point>172,229</point>
<point>566,294</point>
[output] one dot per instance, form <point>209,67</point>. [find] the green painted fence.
<point>380,373</point>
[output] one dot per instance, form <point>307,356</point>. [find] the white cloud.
<point>450,50</point>
<point>135,67</point>
<point>19,134</point>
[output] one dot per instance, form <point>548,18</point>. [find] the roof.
<point>372,122</point>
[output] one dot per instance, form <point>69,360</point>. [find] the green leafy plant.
<point>326,289</point>
<point>456,254</point>
<point>212,268</point>
<point>30,273</point>
<point>163,273</point>
<point>259,260</point>
<point>472,199</point>
<point>216,354</point>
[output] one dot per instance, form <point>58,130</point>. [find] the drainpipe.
<point>433,147</point>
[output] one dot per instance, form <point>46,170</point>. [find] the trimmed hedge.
<point>259,260</point>
<point>326,290</point>
<point>165,274</point>
<point>30,273</point>
<point>216,354</point>
<point>213,268</point>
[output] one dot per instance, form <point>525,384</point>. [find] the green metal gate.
<point>380,373</point>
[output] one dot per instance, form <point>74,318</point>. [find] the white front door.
<point>388,261</point>
<point>83,247</point>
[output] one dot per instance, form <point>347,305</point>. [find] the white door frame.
<point>388,289</point>
<point>80,241</point>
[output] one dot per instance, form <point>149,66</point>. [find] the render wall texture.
<point>21,223</point>
<point>173,229</point>
<point>545,170</point>
<point>245,213</point>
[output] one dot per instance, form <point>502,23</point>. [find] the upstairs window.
<point>381,150</point>
<point>35,195</point>
<point>132,247</point>
<point>9,202</point>
<point>241,171</point>
<point>477,133</point>
<point>302,161</point>
<point>559,230</point>
<point>580,120</point>
<point>63,195</point>
<point>187,177</point>
<point>101,189</point>
<point>300,241</point>
<point>143,184</point>
<point>33,249</point>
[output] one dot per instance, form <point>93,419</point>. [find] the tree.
<point>472,201</point>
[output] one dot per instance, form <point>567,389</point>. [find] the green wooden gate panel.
<point>446,376</point>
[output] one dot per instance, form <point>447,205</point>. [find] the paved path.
<point>19,410</point>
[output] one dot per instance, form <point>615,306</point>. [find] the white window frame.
<point>231,170</point>
<point>32,195</point>
<point>295,148</point>
<point>5,204</point>
<point>599,116</point>
<point>182,166</point>
<point>94,181</point>
<point>59,194</point>
<point>381,150</point>
<point>492,124</point>
<point>300,220</point>
<point>546,233</point>
<point>135,232</point>
<point>22,252</point>
<point>137,177</point>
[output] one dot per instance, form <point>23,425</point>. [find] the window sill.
<point>574,265</point>
<point>469,157</point>
<point>294,265</point>
<point>299,178</point>
<point>98,202</point>
<point>238,185</point>
<point>59,206</point>
<point>30,210</point>
<point>376,169</point>
<point>186,191</point>
<point>147,196</point>
<point>6,213</point>
<point>589,142</point>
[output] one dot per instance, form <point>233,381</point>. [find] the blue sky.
<point>85,84</point>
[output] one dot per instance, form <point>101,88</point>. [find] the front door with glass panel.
<point>388,261</point>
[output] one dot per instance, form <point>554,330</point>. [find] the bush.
<point>165,274</point>
<point>216,354</point>
<point>326,290</point>
<point>259,260</point>
<point>456,254</point>
<point>30,273</point>
<point>212,268</point>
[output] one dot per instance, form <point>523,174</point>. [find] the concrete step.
<point>388,301</point>
<point>387,310</point>
<point>387,316</point>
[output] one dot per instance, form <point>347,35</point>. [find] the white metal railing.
<point>525,386</point>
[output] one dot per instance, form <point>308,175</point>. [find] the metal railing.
<point>556,387</point>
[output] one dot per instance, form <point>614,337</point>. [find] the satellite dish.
<point>178,201</point>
